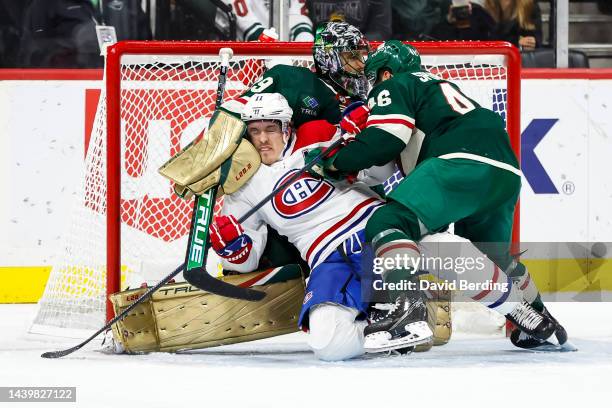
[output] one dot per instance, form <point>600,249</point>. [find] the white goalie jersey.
<point>252,17</point>
<point>315,215</point>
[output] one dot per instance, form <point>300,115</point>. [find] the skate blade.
<point>552,344</point>
<point>380,342</point>
<point>394,353</point>
<point>548,347</point>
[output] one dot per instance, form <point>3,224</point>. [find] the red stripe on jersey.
<point>241,100</point>
<point>338,225</point>
<point>395,246</point>
<point>315,131</point>
<point>250,282</point>
<point>487,291</point>
<point>524,285</point>
<point>392,121</point>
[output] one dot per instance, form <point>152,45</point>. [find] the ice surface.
<point>280,372</point>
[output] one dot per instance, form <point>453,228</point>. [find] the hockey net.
<point>127,226</point>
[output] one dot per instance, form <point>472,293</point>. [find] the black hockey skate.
<point>403,326</point>
<point>530,341</point>
<point>376,313</point>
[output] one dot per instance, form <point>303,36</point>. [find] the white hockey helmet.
<point>268,106</point>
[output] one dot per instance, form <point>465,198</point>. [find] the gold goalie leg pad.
<point>439,320</point>
<point>182,317</point>
<point>444,328</point>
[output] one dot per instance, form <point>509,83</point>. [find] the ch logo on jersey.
<point>302,196</point>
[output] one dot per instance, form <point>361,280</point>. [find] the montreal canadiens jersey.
<point>252,18</point>
<point>315,215</point>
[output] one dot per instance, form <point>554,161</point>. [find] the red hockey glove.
<point>228,239</point>
<point>355,117</point>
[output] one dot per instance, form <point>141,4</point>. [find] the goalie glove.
<point>229,240</point>
<point>355,117</point>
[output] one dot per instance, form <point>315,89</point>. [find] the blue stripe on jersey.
<point>503,297</point>
<point>344,231</point>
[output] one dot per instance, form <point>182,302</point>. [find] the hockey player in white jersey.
<point>252,18</point>
<point>324,221</point>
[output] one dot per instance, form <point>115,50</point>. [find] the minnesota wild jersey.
<point>309,97</point>
<point>415,116</point>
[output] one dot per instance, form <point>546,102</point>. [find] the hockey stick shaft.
<point>199,243</point>
<point>122,315</point>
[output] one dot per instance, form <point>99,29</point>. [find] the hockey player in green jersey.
<point>459,168</point>
<point>339,53</point>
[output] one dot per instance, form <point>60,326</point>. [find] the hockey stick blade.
<point>217,286</point>
<point>146,295</point>
<point>199,278</point>
<point>61,353</point>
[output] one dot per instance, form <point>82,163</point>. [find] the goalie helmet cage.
<point>127,226</point>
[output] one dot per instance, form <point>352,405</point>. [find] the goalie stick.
<point>194,268</point>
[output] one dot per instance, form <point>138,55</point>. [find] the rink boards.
<point>567,189</point>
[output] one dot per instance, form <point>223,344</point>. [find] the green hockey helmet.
<point>393,55</point>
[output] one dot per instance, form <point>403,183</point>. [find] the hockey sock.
<point>526,285</point>
<point>399,257</point>
<point>475,276</point>
<point>392,231</point>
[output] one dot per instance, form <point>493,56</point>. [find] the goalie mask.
<point>336,45</point>
<point>269,107</point>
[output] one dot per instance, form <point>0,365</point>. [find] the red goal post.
<point>168,87</point>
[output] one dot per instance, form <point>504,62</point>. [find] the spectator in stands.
<point>11,14</point>
<point>189,20</point>
<point>518,22</point>
<point>128,18</point>
<point>605,6</point>
<point>60,33</point>
<point>226,20</point>
<point>252,18</point>
<point>415,19</point>
<point>372,17</point>
<point>464,20</point>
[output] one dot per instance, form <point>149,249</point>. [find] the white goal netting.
<point>165,101</point>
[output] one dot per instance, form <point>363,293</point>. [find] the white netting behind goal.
<point>165,101</point>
